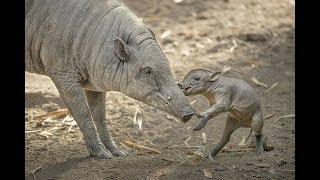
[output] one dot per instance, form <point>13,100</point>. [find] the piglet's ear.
<point>215,76</point>
<point>120,49</point>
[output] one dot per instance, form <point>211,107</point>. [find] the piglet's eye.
<point>197,78</point>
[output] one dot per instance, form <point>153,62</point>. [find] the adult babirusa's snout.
<point>180,105</point>
<point>180,86</point>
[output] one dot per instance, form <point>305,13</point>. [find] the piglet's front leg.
<point>211,112</point>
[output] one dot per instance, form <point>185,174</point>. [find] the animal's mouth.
<point>186,91</point>
<point>168,107</point>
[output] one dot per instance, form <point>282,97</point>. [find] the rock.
<point>167,40</point>
<point>255,37</point>
<point>282,162</point>
<point>218,168</point>
<point>202,17</point>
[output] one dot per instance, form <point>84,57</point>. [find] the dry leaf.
<point>193,102</point>
<point>173,118</point>
<point>188,139</point>
<point>57,128</point>
<point>46,133</point>
<point>69,130</point>
<point>235,45</point>
<point>135,116</point>
<point>49,120</point>
<point>177,1</point>
<point>186,52</point>
<point>225,69</point>
<point>140,123</point>
<point>207,173</point>
<point>67,120</point>
<point>243,141</point>
<point>204,138</point>
<point>209,40</point>
<point>255,81</point>
<point>165,34</point>
<point>199,45</point>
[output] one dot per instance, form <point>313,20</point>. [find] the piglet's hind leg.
<point>231,125</point>
<point>256,126</point>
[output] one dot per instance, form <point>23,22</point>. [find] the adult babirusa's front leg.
<point>97,105</point>
<point>73,96</point>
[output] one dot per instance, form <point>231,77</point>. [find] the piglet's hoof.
<point>197,128</point>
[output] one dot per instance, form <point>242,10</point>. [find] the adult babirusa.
<point>89,47</point>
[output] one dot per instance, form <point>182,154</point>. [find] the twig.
<point>276,126</point>
<point>32,131</point>
<point>181,147</point>
<point>271,87</point>
<point>269,116</point>
<point>285,116</point>
<point>235,45</point>
<point>140,147</point>
<point>34,171</point>
<point>237,150</point>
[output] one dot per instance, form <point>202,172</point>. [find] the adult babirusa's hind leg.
<point>230,126</point>
<point>257,126</point>
<point>97,105</point>
<point>72,95</point>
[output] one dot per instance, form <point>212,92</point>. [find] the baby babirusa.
<point>226,92</point>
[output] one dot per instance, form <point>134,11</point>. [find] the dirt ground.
<point>254,37</point>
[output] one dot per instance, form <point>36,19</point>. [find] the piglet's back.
<point>243,95</point>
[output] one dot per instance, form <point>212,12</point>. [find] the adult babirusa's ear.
<point>152,33</point>
<point>120,49</point>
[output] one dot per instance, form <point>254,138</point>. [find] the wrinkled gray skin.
<point>88,47</point>
<point>226,92</point>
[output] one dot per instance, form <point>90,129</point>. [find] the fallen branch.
<point>54,114</point>
<point>140,147</point>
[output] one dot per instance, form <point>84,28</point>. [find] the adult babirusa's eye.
<point>147,70</point>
